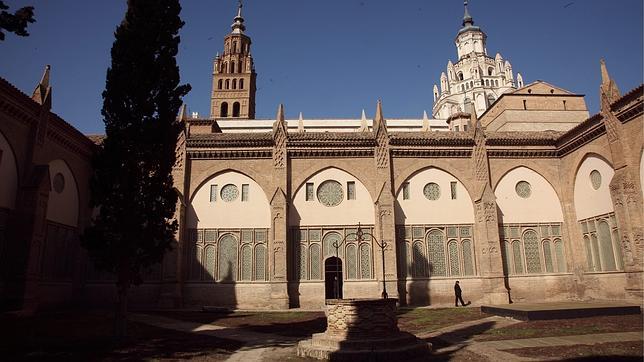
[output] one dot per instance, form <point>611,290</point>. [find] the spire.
<point>364,127</point>
<point>238,24</point>
<point>300,124</point>
<point>467,18</point>
<point>426,126</point>
<point>42,92</point>
<point>608,87</point>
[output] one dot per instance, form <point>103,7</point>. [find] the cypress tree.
<point>132,186</point>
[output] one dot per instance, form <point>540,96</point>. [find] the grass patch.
<point>423,320</point>
<point>612,351</point>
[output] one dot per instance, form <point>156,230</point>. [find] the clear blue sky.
<point>331,58</point>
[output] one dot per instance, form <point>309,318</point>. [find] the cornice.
<point>229,154</point>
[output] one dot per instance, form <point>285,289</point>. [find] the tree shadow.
<point>446,345</point>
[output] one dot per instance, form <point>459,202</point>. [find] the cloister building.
<point>512,189</point>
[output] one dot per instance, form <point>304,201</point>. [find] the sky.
<point>333,58</point>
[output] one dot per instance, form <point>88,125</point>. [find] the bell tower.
<point>233,77</point>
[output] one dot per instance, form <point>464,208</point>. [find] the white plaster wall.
<point>8,175</point>
<point>348,212</point>
<point>420,210</point>
<point>62,207</point>
<point>254,213</point>
<point>542,206</point>
<point>588,201</point>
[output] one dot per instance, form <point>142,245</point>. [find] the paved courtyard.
<point>457,334</point>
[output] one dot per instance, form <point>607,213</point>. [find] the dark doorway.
<point>333,278</point>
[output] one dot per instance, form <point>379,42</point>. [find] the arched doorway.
<point>333,278</point>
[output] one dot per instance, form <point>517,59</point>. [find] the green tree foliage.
<point>15,23</point>
<point>132,185</point>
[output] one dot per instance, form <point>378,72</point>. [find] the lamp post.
<point>360,237</point>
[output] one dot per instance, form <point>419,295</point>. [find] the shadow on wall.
<point>504,256</point>
<point>415,293</point>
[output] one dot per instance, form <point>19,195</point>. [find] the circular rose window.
<point>523,189</point>
<point>59,183</point>
<point>432,191</point>
<point>330,193</point>
<point>229,193</point>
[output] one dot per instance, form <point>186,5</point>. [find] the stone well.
<point>363,330</point>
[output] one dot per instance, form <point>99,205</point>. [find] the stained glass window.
<point>260,262</point>
<point>452,186</point>
<point>547,256</point>
<point>351,190</point>
<point>468,261</point>
<point>531,247</point>
<point>595,179</point>
<point>315,262</point>
<point>466,232</point>
<point>229,193</point>
<point>352,261</point>
<point>365,261</point>
<point>209,262</point>
<point>315,235</point>
<point>246,262</point>
<point>432,191</point>
<point>452,232</point>
<point>246,235</point>
<point>523,189</point>
<point>454,263</point>
<point>606,246</point>
<point>260,236</point>
<point>516,256</point>
<point>436,245</point>
<point>330,193</point>
<point>227,258</point>
<point>559,253</point>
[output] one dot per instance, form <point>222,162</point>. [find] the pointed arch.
<point>590,201</point>
<point>540,203</point>
<point>63,205</point>
<point>8,174</point>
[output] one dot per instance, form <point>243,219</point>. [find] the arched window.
<point>460,75</point>
<point>487,82</point>
<point>303,274</point>
<point>196,265</point>
<point>365,261</point>
<point>246,262</point>
<point>228,258</point>
<point>241,84</point>
<point>224,67</point>
<point>227,83</point>
<point>234,83</point>
<point>436,243</point>
<point>490,99</point>
<point>490,70</point>
<point>220,84</point>
<point>516,257</point>
<point>419,260</point>
<point>352,262</point>
<point>471,84</point>
<point>531,248</point>
<point>506,255</point>
<point>589,254</point>
<point>468,261</point>
<point>234,47</point>
<point>559,253</point>
<point>547,256</point>
<point>606,246</point>
<point>454,262</point>
<point>496,83</point>
<point>314,252</point>
<point>239,67</point>
<point>236,109</point>
<point>260,262</point>
<point>232,67</point>
<point>224,110</point>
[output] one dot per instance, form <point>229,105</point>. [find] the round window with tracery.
<point>59,183</point>
<point>595,179</point>
<point>523,189</point>
<point>229,193</point>
<point>330,193</point>
<point>432,191</point>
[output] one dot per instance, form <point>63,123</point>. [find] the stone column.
<point>279,216</point>
<point>486,228</point>
<point>385,228</point>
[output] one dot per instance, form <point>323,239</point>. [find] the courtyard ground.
<point>457,334</point>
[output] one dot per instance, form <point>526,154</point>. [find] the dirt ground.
<point>614,351</point>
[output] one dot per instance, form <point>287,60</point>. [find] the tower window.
<point>234,46</point>
<point>224,67</point>
<point>227,83</point>
<point>241,84</point>
<point>219,84</point>
<point>234,83</point>
<point>240,66</point>
<point>232,67</point>
<point>456,128</point>
<point>487,82</point>
<point>236,109</point>
<point>224,110</point>
<point>490,70</point>
<point>460,75</point>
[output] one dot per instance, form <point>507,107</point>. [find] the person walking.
<point>458,292</point>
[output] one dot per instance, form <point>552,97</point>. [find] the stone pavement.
<point>259,346</point>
